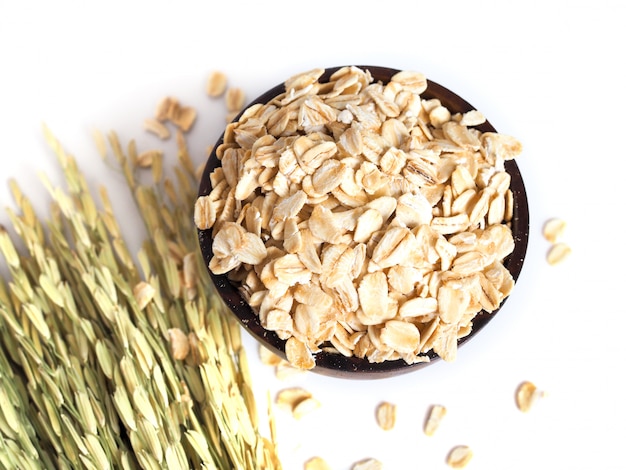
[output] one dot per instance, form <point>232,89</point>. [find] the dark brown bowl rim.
<point>338,365</point>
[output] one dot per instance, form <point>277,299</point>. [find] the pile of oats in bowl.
<point>358,217</point>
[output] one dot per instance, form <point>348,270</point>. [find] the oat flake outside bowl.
<point>338,365</point>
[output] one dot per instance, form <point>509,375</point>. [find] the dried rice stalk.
<point>87,378</point>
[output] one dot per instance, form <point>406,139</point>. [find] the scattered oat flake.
<point>216,83</point>
<point>235,99</point>
<point>157,128</point>
<point>386,415</point>
<point>289,398</point>
<point>433,420</point>
<point>459,456</point>
<point>283,370</point>
<point>304,407</point>
<point>368,464</point>
<point>553,229</point>
<point>268,357</point>
<point>298,401</point>
<point>558,253</point>
<point>526,395</point>
<point>170,109</point>
<point>165,108</point>
<point>316,463</point>
<point>184,118</point>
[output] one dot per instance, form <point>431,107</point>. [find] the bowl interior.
<point>337,365</point>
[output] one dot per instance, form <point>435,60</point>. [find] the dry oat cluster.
<point>362,218</point>
<point>170,109</point>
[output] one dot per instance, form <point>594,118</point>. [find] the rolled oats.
<point>472,118</point>
<point>216,83</point>
<point>284,370</point>
<point>459,456</point>
<point>436,413</point>
<point>452,224</point>
<point>400,336</point>
<point>558,253</point>
<point>288,398</point>
<point>499,147</point>
<point>438,116</point>
<point>496,212</point>
<point>304,407</point>
<point>553,229</point>
<point>373,298</point>
<point>298,401</point>
<point>414,82</point>
<point>170,109</point>
<point>235,99</point>
<point>373,220</point>
<point>316,463</point>
<point>368,464</point>
<point>386,415</point>
<point>526,395</point>
<point>298,354</point>
<point>419,307</point>
<point>267,357</point>
<point>157,128</point>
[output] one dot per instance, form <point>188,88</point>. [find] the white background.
<point>549,73</point>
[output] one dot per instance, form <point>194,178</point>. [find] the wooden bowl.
<point>337,365</point>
